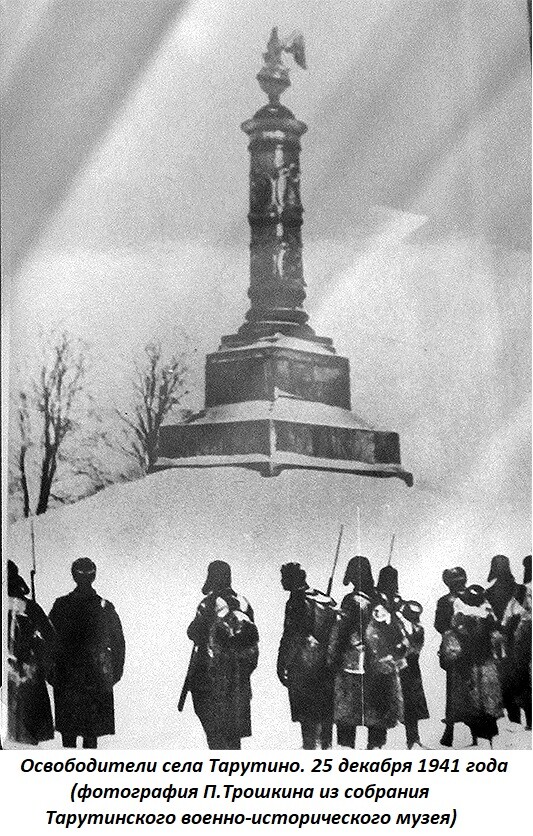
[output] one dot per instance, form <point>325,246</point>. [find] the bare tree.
<point>99,461</point>
<point>66,449</point>
<point>46,414</point>
<point>158,386</point>
<point>60,382</point>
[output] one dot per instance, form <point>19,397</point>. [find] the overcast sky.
<point>126,177</point>
<point>125,201</point>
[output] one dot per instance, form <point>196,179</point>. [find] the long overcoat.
<point>220,677</point>
<point>90,661</point>
<point>31,647</point>
<point>500,594</point>
<point>454,683</point>
<point>476,698</point>
<point>516,627</point>
<point>347,658</point>
<point>414,700</point>
<point>303,655</point>
<point>386,649</point>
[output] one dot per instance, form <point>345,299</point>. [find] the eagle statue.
<point>294,44</point>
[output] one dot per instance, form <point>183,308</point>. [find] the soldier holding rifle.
<point>347,651</point>
<point>224,656</point>
<point>303,656</point>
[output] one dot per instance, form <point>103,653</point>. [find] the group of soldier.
<point>79,649</point>
<point>348,666</point>
<point>352,666</point>
<point>486,649</point>
<point>357,665</point>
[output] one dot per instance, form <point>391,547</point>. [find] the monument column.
<point>277,395</point>
<point>277,286</point>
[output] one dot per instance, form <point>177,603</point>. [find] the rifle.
<point>187,682</point>
<point>391,548</point>
<point>33,571</point>
<point>337,550</point>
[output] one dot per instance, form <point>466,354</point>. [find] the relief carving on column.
<point>274,189</point>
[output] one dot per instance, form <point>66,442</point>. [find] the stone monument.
<point>277,396</point>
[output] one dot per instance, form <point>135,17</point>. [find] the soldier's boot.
<point>412,735</point>
<point>90,742</point>
<point>326,734</point>
<point>447,737</point>
<point>69,741</point>
<point>310,734</point>
<point>513,712</point>
<point>346,735</point>
<point>377,737</point>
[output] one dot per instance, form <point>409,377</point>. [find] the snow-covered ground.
<point>152,540</point>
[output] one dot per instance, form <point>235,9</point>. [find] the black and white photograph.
<point>266,375</point>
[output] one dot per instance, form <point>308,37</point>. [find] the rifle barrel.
<point>391,548</point>
<point>33,571</point>
<point>186,684</point>
<point>337,550</point>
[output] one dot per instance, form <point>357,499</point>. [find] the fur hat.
<point>499,568</point>
<point>359,572</point>
<point>473,596</point>
<point>412,610</point>
<point>388,581</point>
<point>16,585</point>
<point>455,577</point>
<point>83,569</point>
<point>218,577</point>
<point>292,576</point>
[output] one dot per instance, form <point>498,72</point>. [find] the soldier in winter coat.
<point>414,700</point>
<point>31,646</point>
<point>303,657</point>
<point>516,628</point>
<point>225,656</point>
<point>347,651</point>
<point>90,660</point>
<point>406,615</point>
<point>477,700</point>
<point>386,647</point>
<point>502,590</point>
<point>455,580</point>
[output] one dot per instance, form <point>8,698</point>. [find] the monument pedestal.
<point>277,395</point>
<point>275,404</point>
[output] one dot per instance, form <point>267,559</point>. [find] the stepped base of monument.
<point>273,466</point>
<point>272,436</point>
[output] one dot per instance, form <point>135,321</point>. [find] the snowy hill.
<point>152,540</point>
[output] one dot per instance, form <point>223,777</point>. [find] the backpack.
<point>232,634</point>
<point>26,646</point>
<point>322,616</point>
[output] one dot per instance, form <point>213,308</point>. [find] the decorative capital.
<point>273,76</point>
